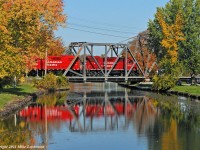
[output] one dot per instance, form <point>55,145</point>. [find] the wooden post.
<point>45,62</point>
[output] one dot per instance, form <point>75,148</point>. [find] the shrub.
<point>167,76</point>
<point>51,82</point>
<point>48,82</point>
<point>62,81</point>
<point>163,82</point>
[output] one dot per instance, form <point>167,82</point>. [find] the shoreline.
<point>177,93</point>
<point>15,105</point>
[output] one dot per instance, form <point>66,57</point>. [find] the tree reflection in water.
<point>12,133</point>
<point>178,125</point>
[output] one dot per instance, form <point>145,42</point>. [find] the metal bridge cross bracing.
<point>105,69</point>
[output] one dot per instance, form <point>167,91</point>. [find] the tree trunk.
<point>193,79</point>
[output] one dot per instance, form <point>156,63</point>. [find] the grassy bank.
<point>10,94</point>
<point>193,90</point>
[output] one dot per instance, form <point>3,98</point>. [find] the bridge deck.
<point>104,79</point>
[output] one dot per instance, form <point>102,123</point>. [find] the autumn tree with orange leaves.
<point>146,59</point>
<point>26,31</point>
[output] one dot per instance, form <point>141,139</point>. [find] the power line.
<point>103,23</point>
<point>97,32</point>
<point>110,30</point>
<point>144,36</point>
<point>103,29</point>
<point>128,39</point>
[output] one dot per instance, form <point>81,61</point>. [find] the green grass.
<point>23,89</point>
<point>6,98</point>
<point>10,94</point>
<point>194,90</point>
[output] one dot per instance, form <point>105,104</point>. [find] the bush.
<point>168,75</point>
<point>51,82</point>
<point>48,82</point>
<point>163,82</point>
<point>62,81</point>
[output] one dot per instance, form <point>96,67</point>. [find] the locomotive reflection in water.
<point>96,111</point>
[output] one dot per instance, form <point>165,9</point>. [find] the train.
<point>93,65</point>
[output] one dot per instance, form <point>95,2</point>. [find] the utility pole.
<point>45,67</point>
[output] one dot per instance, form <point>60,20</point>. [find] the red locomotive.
<point>94,65</point>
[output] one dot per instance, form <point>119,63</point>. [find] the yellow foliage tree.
<point>26,29</point>
<point>172,34</point>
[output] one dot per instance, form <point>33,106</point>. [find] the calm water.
<point>104,117</point>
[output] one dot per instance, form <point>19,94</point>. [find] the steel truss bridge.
<point>83,49</point>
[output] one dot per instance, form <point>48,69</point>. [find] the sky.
<point>106,21</point>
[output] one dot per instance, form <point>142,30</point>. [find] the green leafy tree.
<point>188,50</point>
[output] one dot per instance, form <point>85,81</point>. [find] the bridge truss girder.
<point>112,49</point>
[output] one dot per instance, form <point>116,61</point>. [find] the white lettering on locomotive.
<point>54,62</point>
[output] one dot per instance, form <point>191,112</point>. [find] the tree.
<point>26,30</point>
<point>155,36</point>
<point>172,34</point>
<point>186,51</point>
<point>145,57</point>
<point>190,48</point>
<point>171,31</point>
<point>56,47</point>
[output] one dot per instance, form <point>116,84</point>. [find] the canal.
<point>104,116</point>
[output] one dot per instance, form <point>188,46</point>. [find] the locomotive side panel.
<point>91,64</point>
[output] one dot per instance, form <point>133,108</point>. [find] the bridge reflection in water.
<point>117,110</point>
<point>96,111</point>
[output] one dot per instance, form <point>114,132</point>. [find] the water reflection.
<point>106,114</point>
<point>94,111</point>
<point>116,111</point>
